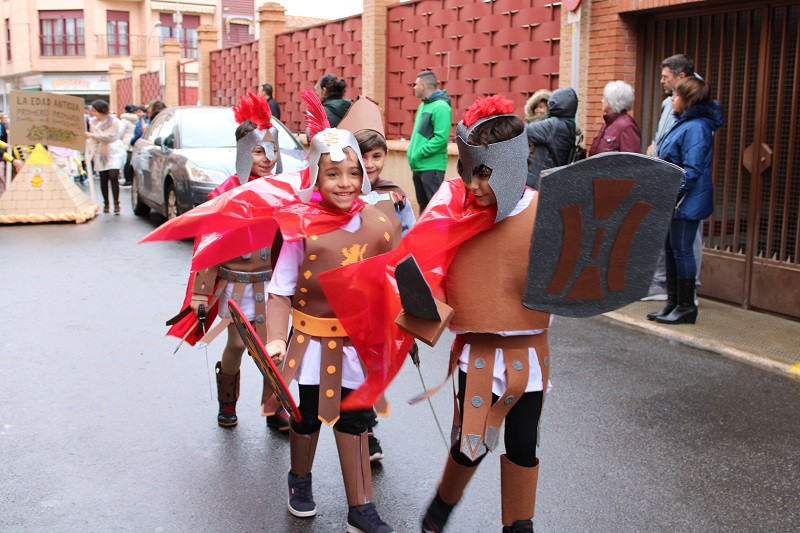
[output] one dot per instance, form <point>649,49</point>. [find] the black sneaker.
<point>519,526</point>
<point>365,519</point>
<point>301,500</point>
<point>375,450</point>
<point>436,516</point>
<point>279,420</point>
<point>227,415</point>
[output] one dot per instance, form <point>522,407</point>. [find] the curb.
<point>674,333</point>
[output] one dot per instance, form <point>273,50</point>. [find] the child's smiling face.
<point>339,183</point>
<point>373,162</point>
<point>261,165</point>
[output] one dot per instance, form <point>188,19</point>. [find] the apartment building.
<point>67,46</point>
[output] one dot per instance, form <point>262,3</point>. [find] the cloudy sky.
<point>329,9</point>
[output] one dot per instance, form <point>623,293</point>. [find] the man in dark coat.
<point>552,140</point>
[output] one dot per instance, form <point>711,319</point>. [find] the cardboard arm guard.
<point>278,310</point>
<point>428,331</point>
<point>204,281</point>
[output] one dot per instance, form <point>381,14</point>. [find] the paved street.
<point>102,428</point>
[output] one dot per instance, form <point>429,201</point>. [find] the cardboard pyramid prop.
<point>42,192</point>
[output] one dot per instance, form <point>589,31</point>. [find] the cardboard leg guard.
<point>518,490</point>
<point>454,480</point>
<point>302,449</point>
<point>354,458</point>
<point>227,385</point>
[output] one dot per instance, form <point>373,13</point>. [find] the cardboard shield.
<point>263,361</point>
<point>600,226</point>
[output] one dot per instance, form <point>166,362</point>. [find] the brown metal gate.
<point>751,58</point>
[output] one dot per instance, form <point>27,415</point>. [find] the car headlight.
<point>204,175</point>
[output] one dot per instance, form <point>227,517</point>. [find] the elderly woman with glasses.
<point>620,132</point>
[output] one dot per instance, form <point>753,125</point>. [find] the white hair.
<point>618,95</point>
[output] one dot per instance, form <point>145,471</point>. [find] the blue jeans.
<point>679,248</point>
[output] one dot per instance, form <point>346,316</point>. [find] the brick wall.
<point>303,56</point>
<point>510,47</point>
<point>233,71</point>
<point>151,87</point>
<point>124,94</point>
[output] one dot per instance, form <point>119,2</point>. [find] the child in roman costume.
<point>242,278</point>
<point>364,119</point>
<point>320,356</point>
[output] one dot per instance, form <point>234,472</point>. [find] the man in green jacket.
<point>427,153</point>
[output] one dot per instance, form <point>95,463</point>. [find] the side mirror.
<point>169,141</point>
<point>157,142</point>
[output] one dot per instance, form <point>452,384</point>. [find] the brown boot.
<point>116,208</point>
<point>354,458</point>
<point>454,480</point>
<point>227,394</point>
<point>302,449</point>
<point>518,493</point>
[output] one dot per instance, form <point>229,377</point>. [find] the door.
<point>750,58</point>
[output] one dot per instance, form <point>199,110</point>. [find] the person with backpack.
<point>552,141</point>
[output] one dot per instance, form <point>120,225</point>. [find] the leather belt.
<point>244,277</point>
<point>317,327</point>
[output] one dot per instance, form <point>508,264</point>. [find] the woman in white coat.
<point>108,150</point>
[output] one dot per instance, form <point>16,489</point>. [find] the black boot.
<point>685,311</point>
<point>520,526</point>
<point>436,516</point>
<point>672,297</point>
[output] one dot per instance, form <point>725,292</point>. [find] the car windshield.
<point>204,129</point>
<point>216,128</point>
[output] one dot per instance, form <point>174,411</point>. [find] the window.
<point>8,40</point>
<point>117,30</point>
<point>187,35</point>
<point>61,33</point>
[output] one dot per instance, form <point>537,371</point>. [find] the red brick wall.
<point>475,48</point>
<point>151,87</point>
<point>124,94</point>
<point>234,71</point>
<point>303,56</point>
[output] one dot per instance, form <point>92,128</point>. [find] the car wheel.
<point>139,207</point>
<point>171,202</point>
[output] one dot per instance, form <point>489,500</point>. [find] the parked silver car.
<point>187,151</point>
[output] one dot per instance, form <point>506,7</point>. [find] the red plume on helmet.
<point>486,107</point>
<point>316,117</point>
<point>254,108</point>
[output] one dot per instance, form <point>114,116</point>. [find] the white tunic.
<point>284,283</point>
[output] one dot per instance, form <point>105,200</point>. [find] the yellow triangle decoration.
<point>39,156</point>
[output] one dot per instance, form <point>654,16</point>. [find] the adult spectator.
<point>427,152</point>
<point>552,141</point>
<point>155,108</point>
<point>673,69</point>
<point>536,106</point>
<point>4,123</point>
<point>127,128</point>
<point>108,150</point>
<point>274,108</point>
<point>690,145</point>
<point>620,133</point>
<point>330,90</point>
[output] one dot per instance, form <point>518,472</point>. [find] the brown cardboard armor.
<point>517,490</point>
<point>302,450</point>
<point>354,458</point>
<point>454,480</point>
<point>501,257</point>
<point>364,114</point>
<point>312,314</point>
<point>428,331</point>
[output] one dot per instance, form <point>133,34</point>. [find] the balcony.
<point>110,45</point>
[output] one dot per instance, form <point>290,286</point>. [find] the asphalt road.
<point>102,428</point>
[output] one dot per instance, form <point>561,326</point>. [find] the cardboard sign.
<point>47,118</point>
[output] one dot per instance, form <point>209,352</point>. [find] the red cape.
<point>364,295</point>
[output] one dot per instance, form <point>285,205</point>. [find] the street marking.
<point>795,369</point>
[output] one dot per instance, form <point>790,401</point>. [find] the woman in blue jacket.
<point>690,145</point>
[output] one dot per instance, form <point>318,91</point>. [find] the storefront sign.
<point>75,83</point>
<point>47,118</point>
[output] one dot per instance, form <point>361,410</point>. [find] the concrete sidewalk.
<point>757,338</point>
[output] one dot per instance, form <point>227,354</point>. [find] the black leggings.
<point>113,177</point>
<point>350,422</point>
<point>522,425</point>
